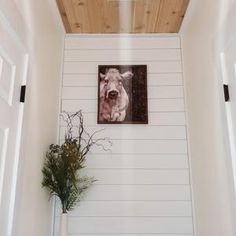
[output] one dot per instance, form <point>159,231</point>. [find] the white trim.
<point>8,97</point>
<point>25,73</point>
<point>12,82</point>
<point>3,159</point>
<point>120,35</point>
<point>1,64</point>
<point>17,153</point>
<point>17,40</point>
<point>188,142</point>
<point>223,68</point>
<point>15,172</point>
<point>54,200</point>
<point>226,108</point>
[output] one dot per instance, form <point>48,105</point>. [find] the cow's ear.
<point>102,76</point>
<point>127,75</point>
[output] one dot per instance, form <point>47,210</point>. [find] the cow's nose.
<point>113,94</point>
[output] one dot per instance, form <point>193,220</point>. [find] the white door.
<point>13,70</point>
<point>228,60</point>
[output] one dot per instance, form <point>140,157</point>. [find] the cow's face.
<point>113,82</point>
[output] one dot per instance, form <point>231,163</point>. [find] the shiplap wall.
<point>143,185</point>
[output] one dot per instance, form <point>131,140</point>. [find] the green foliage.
<point>60,174</point>
<point>61,170</point>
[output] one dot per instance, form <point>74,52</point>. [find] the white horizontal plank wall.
<point>143,184</point>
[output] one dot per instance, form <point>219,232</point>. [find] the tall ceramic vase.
<point>63,225</point>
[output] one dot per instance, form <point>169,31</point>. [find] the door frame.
<point>15,165</point>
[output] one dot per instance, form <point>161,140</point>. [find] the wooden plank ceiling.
<point>122,16</point>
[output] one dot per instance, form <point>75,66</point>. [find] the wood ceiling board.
<point>92,16</point>
<point>181,14</point>
<point>71,17</point>
<point>145,16</point>
<point>64,16</point>
<point>81,11</point>
<point>171,15</point>
<point>138,17</point>
<point>152,13</point>
<point>110,16</point>
<point>124,16</point>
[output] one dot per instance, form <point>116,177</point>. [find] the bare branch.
<point>85,140</point>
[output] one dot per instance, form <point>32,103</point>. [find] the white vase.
<point>63,225</point>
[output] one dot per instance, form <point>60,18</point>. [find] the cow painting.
<point>122,94</point>
<point>114,100</point>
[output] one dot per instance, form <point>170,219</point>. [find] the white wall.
<point>143,185</point>
<point>43,39</point>
<point>208,27</point>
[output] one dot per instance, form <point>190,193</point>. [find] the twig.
<point>84,144</point>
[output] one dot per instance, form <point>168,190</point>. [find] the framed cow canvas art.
<point>122,94</point>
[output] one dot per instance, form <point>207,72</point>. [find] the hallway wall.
<point>43,39</point>
<point>143,185</point>
<point>208,27</point>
